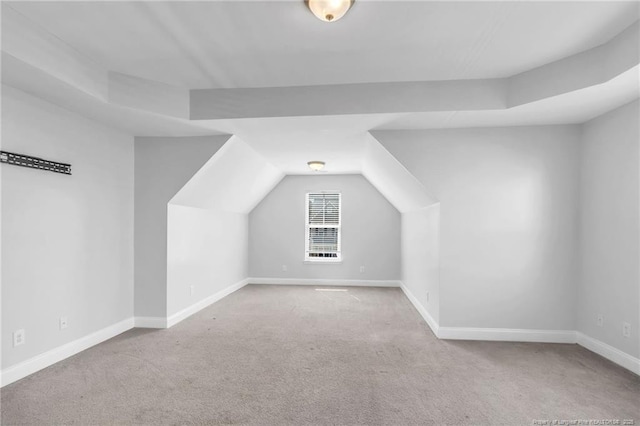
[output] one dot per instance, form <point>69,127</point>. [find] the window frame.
<point>309,226</point>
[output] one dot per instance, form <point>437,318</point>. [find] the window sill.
<point>322,262</point>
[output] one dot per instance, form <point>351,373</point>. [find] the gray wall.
<point>162,167</point>
<point>609,219</point>
<point>67,241</point>
<point>508,228</point>
<point>370,231</point>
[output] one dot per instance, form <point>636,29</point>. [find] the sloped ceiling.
<point>235,179</point>
<point>70,54</point>
<point>294,89</point>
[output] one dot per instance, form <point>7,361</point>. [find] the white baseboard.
<point>325,282</point>
<point>187,312</point>
<point>32,365</point>
<point>433,324</point>
<point>38,362</point>
<point>150,322</point>
<point>491,334</point>
<point>612,354</point>
<point>507,335</point>
<point>162,322</point>
<point>521,335</point>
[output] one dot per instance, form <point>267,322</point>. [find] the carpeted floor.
<point>276,355</point>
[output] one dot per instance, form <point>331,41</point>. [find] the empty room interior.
<point>320,212</point>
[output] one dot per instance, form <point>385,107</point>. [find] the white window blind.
<point>323,226</point>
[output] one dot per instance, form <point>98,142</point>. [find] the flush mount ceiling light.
<point>316,166</point>
<point>329,10</point>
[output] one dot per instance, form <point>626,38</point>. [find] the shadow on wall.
<point>208,223</point>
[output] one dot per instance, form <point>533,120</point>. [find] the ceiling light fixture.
<point>329,10</point>
<point>316,166</point>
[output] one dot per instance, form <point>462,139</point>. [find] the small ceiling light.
<point>329,10</point>
<point>316,166</point>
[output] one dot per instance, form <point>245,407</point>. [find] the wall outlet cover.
<point>626,329</point>
<point>63,323</point>
<point>19,337</point>
<point>600,320</point>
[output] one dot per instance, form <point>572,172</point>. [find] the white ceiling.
<point>235,44</point>
<point>243,44</point>
<point>570,108</point>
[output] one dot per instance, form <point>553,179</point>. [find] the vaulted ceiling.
<point>295,88</point>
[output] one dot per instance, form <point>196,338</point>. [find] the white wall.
<point>235,179</point>
<point>162,167</point>
<point>421,257</point>
<point>392,179</point>
<point>370,231</point>
<point>508,231</point>
<point>207,249</point>
<point>609,225</point>
<point>67,240</point>
<point>208,227</point>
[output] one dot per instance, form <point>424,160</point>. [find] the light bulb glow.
<point>329,10</point>
<point>316,166</point>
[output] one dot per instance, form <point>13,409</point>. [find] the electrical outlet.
<point>63,323</point>
<point>427,297</point>
<point>626,329</point>
<point>284,268</point>
<point>362,269</point>
<point>18,337</point>
<point>600,320</point>
<point>192,289</point>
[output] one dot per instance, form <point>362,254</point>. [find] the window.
<point>323,226</point>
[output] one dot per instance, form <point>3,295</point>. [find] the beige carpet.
<point>276,355</point>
